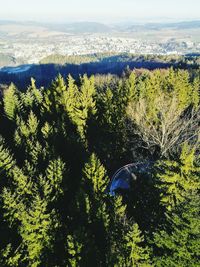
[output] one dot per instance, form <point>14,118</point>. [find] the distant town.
<point>33,52</point>
<point>30,42</point>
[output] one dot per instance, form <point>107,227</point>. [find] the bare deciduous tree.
<point>167,128</point>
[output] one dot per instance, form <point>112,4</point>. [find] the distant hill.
<point>96,27</point>
<point>72,28</point>
<point>82,27</point>
<point>161,26</point>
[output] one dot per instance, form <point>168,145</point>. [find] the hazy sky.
<point>101,10</point>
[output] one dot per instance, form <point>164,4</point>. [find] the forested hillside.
<point>92,64</point>
<point>59,148</point>
<point>121,57</point>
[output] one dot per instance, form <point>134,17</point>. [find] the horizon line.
<point>122,21</point>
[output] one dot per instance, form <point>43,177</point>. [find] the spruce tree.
<point>177,178</point>
<point>178,242</point>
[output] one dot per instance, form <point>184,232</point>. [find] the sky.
<point>107,11</point>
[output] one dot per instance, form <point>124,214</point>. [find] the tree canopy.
<point>59,147</point>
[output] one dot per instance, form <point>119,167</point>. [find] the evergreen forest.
<point>59,148</point>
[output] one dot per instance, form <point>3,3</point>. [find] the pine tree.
<point>6,159</point>
<point>70,97</point>
<point>85,105</point>
<point>130,84</point>
<point>53,96</point>
<point>183,89</point>
<point>177,178</point>
<point>178,243</point>
<point>195,97</point>
<point>138,256</point>
<point>32,97</point>
<point>11,102</point>
<point>95,173</point>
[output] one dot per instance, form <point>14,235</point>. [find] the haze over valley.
<point>30,42</point>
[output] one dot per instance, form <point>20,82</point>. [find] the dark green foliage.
<point>178,178</point>
<point>178,244</point>
<point>58,149</point>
